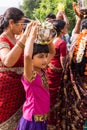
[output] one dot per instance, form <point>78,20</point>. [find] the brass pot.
<point>83,5</point>
<point>46,33</point>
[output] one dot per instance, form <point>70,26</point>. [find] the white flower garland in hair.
<point>81,49</point>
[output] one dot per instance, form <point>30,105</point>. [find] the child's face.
<point>40,60</point>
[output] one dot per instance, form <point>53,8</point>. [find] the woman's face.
<point>64,30</point>
<point>18,27</point>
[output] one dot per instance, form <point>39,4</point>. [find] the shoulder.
<point>33,77</point>
<point>63,43</point>
<point>59,41</point>
<point>5,43</point>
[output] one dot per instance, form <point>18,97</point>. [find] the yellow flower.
<point>61,7</point>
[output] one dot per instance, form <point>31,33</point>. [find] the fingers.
<point>74,4</point>
<point>34,30</point>
<point>28,29</point>
<point>77,10</point>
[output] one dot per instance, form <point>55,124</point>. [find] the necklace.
<point>44,79</point>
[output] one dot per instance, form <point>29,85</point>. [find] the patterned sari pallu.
<point>12,122</point>
<point>74,89</point>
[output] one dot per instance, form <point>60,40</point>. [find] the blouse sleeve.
<point>63,49</point>
<point>4,45</point>
<point>25,82</point>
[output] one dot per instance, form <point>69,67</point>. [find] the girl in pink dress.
<point>37,103</point>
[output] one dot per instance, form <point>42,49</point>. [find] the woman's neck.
<point>9,35</point>
<point>60,35</point>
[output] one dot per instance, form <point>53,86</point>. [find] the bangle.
<point>20,44</point>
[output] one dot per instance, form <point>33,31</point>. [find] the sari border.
<point>12,122</point>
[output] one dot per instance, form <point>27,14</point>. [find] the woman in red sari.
<point>54,72</point>
<point>11,67</point>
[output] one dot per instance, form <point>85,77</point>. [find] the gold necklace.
<point>44,80</point>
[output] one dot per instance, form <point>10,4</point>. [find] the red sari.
<point>54,72</point>
<point>11,91</point>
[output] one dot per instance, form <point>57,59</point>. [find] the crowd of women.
<point>42,86</point>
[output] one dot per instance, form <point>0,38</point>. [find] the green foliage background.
<point>38,9</point>
<point>28,7</point>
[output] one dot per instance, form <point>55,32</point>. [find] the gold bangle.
<point>20,44</point>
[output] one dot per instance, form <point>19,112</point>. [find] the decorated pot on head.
<point>46,33</point>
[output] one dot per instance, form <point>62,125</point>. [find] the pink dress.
<point>37,103</point>
<point>12,93</point>
<point>37,98</point>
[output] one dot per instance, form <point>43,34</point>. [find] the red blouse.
<point>61,51</point>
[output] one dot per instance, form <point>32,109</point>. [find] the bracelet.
<point>20,44</point>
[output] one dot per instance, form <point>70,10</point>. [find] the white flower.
<point>81,49</point>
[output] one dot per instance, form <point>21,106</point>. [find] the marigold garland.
<point>80,49</point>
